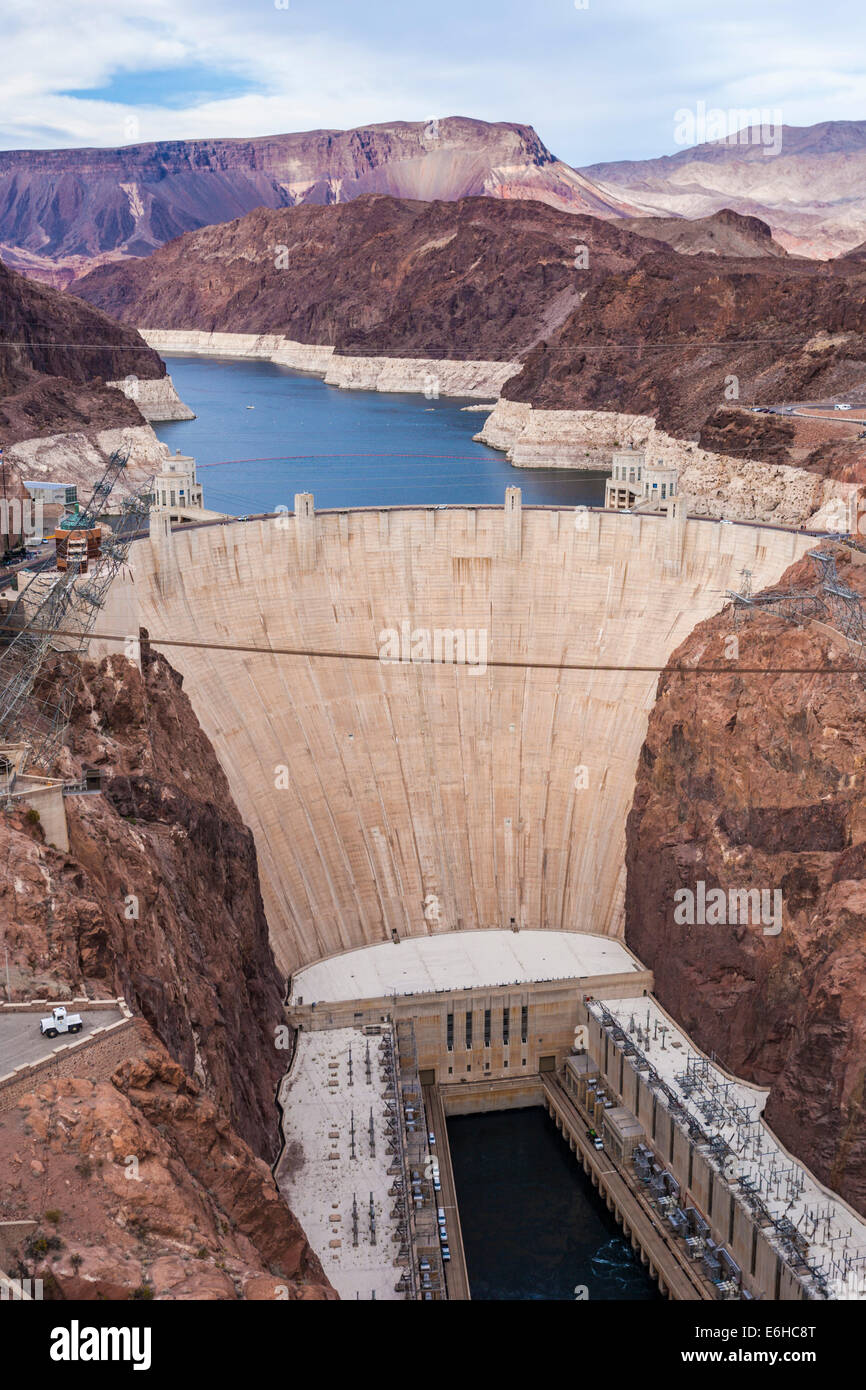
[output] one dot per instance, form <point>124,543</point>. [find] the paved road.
<point>21,1041</point>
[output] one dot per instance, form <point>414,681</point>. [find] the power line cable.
<point>425,354</point>
<point>243,649</point>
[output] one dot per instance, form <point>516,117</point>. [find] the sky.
<point>598,79</point>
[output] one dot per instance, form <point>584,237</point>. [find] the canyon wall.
<point>60,412</point>
<point>752,780</point>
<point>408,799</point>
<point>58,354</point>
<point>145,1166</point>
<point>157,899</point>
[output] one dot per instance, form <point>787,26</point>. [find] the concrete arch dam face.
<point>411,798</point>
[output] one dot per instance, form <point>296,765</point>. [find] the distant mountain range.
<point>812,193</point>
<point>62,211</point>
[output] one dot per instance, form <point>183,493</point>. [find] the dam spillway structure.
<point>392,797</point>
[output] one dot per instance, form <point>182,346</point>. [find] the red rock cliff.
<point>158,899</point>
<point>751,780</point>
<point>159,896</point>
<point>57,355</point>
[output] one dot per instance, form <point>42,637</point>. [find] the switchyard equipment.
<point>821,1247</point>
<point>419,1229</point>
<point>832,602</point>
<point>56,612</point>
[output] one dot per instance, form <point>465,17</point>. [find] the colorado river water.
<point>349,448</point>
<point>533,1225</point>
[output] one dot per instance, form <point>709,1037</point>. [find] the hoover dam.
<point>431,719</point>
<point>393,798</point>
<point>433,677</point>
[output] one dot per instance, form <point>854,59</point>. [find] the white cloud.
<point>598,83</point>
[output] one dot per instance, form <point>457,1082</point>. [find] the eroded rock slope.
<point>158,900</point>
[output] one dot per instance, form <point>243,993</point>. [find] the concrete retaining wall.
<point>75,1006</point>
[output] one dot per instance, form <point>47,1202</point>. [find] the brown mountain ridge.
<point>628,324</point>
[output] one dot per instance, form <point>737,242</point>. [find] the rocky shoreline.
<point>80,456</point>
<point>427,376</point>
<point>156,399</point>
<point>716,485</point>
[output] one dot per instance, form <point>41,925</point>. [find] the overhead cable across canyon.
<point>731,669</point>
<point>425,353</point>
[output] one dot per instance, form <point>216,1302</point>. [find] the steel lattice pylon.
<point>833,603</point>
<point>56,613</point>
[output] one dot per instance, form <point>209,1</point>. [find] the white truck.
<point>59,1021</point>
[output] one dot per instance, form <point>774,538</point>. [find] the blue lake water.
<point>533,1225</point>
<point>349,448</point>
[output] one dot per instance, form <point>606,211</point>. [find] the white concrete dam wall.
<point>422,798</point>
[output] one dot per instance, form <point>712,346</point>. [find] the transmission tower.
<point>56,612</point>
